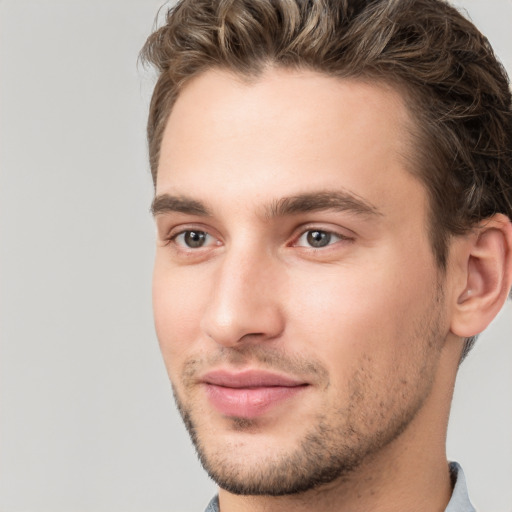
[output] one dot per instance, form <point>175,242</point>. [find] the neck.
<point>422,485</point>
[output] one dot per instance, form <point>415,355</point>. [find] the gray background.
<point>87,421</point>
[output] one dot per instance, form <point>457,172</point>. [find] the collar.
<point>460,498</point>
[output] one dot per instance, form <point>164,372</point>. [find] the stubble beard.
<point>313,463</point>
<point>331,450</point>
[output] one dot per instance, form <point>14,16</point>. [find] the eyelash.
<point>327,234</point>
<point>183,233</point>
<point>330,234</point>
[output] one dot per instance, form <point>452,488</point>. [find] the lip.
<point>249,393</point>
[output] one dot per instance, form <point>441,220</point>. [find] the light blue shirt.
<point>458,503</point>
<point>460,498</point>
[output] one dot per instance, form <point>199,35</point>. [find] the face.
<point>297,301</point>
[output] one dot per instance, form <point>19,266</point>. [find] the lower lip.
<point>249,402</point>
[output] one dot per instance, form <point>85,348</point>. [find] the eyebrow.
<point>341,200</point>
<point>167,203</point>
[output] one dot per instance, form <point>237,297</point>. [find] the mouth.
<point>249,393</point>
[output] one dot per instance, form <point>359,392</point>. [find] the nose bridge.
<point>240,303</point>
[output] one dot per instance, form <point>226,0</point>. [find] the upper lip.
<point>250,379</point>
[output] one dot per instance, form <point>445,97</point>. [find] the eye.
<point>193,239</point>
<point>318,238</point>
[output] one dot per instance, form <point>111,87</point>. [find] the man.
<point>333,205</point>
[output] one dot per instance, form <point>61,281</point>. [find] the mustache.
<point>259,355</point>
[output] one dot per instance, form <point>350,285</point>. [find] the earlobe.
<point>487,276</point>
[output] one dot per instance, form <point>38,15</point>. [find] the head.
<point>415,68</point>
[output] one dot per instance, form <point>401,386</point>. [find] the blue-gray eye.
<point>316,238</point>
<point>192,239</point>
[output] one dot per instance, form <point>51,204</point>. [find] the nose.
<point>244,305</point>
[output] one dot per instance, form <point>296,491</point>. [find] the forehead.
<point>282,133</point>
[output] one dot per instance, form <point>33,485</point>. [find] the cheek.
<point>348,313</point>
<point>177,302</point>
<point>370,331</point>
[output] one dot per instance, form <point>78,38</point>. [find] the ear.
<point>486,276</point>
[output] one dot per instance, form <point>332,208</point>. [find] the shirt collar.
<point>213,506</point>
<point>460,498</point>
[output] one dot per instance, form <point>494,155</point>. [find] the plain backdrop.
<point>87,422</point>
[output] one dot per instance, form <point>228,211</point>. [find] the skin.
<point>366,320</point>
